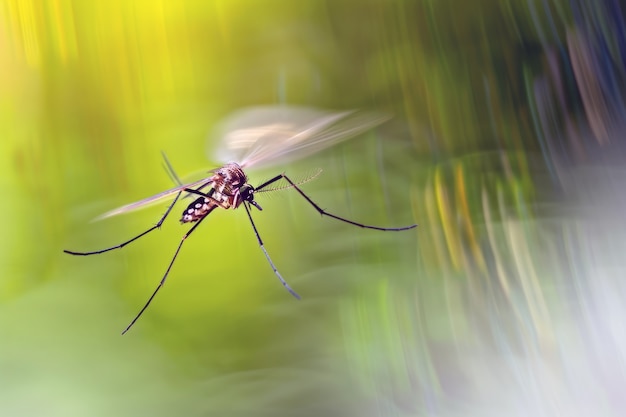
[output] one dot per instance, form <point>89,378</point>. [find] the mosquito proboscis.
<point>254,137</point>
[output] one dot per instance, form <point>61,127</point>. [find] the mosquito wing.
<point>153,199</point>
<point>261,136</point>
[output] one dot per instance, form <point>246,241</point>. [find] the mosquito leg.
<point>201,193</point>
<point>170,169</point>
<point>325,213</point>
<point>258,237</point>
<point>121,245</point>
<point>269,182</point>
<point>167,271</point>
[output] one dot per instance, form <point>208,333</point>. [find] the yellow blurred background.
<point>505,146</point>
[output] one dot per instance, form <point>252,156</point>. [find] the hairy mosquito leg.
<point>167,271</point>
<point>324,212</point>
<point>121,245</point>
<point>269,260</point>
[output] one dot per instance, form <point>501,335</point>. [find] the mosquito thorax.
<point>227,189</point>
<point>232,174</point>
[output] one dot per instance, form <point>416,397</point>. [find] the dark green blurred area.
<point>505,146</point>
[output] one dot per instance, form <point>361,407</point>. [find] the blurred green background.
<point>506,146</point>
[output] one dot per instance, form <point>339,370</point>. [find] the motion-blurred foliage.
<point>505,146</point>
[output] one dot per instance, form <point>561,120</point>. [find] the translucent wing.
<point>153,199</point>
<point>261,136</point>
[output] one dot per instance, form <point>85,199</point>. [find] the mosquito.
<point>254,137</point>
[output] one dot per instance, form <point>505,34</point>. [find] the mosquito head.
<point>247,194</point>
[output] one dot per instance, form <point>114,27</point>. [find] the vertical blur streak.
<point>596,106</point>
<point>464,212</point>
<point>24,15</point>
<point>447,220</point>
<point>389,351</point>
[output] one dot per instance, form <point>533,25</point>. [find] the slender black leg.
<point>324,212</point>
<point>258,238</point>
<point>121,245</point>
<point>269,182</point>
<point>173,176</point>
<point>167,271</point>
<point>202,193</point>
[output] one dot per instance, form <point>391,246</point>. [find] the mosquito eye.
<point>246,191</point>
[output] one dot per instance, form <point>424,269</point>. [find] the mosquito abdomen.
<point>197,210</point>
